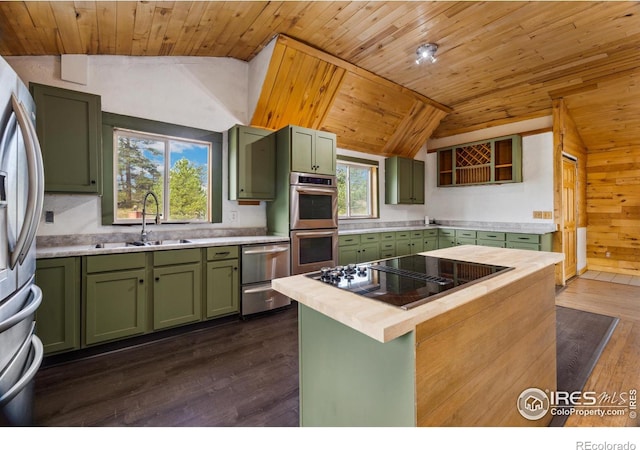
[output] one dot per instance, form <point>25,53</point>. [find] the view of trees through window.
<point>142,162</point>
<point>355,195</point>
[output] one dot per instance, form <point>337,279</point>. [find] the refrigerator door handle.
<point>35,194</point>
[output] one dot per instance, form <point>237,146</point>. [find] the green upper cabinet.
<point>69,125</point>
<point>252,163</point>
<point>311,151</point>
<point>404,181</point>
<point>493,161</point>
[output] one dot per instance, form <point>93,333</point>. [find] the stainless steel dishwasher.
<point>261,264</point>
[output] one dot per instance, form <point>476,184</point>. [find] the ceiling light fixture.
<point>426,52</point>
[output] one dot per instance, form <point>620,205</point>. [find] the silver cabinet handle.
<point>35,194</point>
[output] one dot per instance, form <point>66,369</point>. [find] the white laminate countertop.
<point>384,322</point>
<point>91,249</point>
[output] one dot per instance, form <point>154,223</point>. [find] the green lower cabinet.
<point>58,317</point>
<point>523,246</point>
<point>368,252</point>
<point>403,247</point>
<point>177,295</point>
<point>387,249</point>
<point>429,243</point>
<point>445,242</point>
<point>348,254</point>
<point>223,288</point>
<point>115,305</point>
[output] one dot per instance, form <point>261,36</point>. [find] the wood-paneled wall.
<point>613,210</point>
<point>566,139</point>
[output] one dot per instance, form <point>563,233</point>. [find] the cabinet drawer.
<point>416,234</point>
<point>388,247</point>
<point>490,236</point>
<point>523,246</point>
<point>468,234</point>
<point>492,243</point>
<point>403,235</point>
<point>433,232</point>
<point>369,237</point>
<point>349,239</point>
<point>445,232</point>
<point>228,252</point>
<point>170,257</point>
<point>519,237</point>
<point>123,261</point>
<point>388,236</point>
<point>465,241</point>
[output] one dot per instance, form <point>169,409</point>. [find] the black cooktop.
<point>407,281</point>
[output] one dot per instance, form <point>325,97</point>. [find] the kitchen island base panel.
<point>465,367</point>
<point>350,379</point>
<point>473,362</point>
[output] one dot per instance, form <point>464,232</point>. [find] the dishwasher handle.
<point>264,251</point>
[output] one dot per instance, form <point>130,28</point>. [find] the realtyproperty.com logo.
<point>534,403</point>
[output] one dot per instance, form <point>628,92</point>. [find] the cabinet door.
<point>348,254</point>
<point>369,252</point>
<point>254,153</point>
<point>302,150</point>
<point>405,180</point>
<point>115,305</point>
<point>417,245</point>
<point>403,247</point>
<point>58,317</point>
<point>69,127</point>
<point>325,153</point>
<point>222,288</point>
<point>177,296</point>
<point>417,179</point>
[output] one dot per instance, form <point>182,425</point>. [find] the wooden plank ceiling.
<point>498,62</point>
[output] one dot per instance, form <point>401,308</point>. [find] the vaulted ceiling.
<point>498,62</point>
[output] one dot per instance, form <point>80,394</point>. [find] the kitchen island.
<point>462,359</point>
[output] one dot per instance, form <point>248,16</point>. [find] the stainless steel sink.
<point>141,244</point>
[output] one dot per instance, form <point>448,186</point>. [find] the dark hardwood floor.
<point>241,373</point>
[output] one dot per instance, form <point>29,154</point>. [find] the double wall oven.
<point>313,220</point>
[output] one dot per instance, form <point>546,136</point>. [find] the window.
<point>357,188</point>
<point>160,145</point>
<point>175,170</point>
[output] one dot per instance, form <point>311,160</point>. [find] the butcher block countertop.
<point>383,322</point>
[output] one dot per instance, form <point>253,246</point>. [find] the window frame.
<point>374,187</point>
<point>111,121</point>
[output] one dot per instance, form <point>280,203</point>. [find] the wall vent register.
<point>407,281</point>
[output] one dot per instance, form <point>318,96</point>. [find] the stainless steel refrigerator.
<point>21,196</point>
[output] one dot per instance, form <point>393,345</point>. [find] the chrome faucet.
<point>144,234</point>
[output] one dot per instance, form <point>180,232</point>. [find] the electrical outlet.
<point>607,255</point>
<point>537,214</point>
<point>233,215</point>
<point>547,215</point>
<point>48,216</point>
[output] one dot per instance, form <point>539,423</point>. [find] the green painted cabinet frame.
<point>252,163</point>
<point>58,317</point>
<point>69,127</point>
<point>404,181</point>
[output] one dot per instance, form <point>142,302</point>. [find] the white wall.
<point>208,93</point>
<point>513,202</point>
<point>388,213</point>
